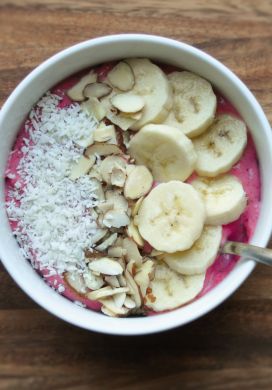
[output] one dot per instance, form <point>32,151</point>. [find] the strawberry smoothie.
<point>246,170</point>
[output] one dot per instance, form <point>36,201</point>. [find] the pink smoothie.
<point>241,230</point>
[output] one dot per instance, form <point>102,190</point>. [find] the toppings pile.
<point>102,198</point>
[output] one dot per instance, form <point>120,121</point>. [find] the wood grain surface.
<point>230,348</point>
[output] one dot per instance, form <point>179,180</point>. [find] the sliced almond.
<point>131,267</point>
<point>92,281</point>
<point>137,206</point>
<point>133,233</point>
<point>97,90</point>
<point>122,262</point>
<point>122,76</point>
<point>102,149</point>
<point>138,183</point>
<point>132,251</point>
<point>105,133</point>
<point>106,292</point>
<point>94,108</point>
<point>81,167</point>
<point>119,299</point>
<point>110,307</point>
<point>128,103</point>
<point>134,289</point>
<point>118,177</point>
<point>129,303</point>
<point>122,280</point>
<point>144,274</point>
<point>106,266</point>
<point>108,312</point>
<point>112,281</point>
<point>107,243</point>
<point>122,121</point>
<point>85,142</point>
<point>98,190</point>
<point>104,207</point>
<point>116,251</point>
<point>155,253</point>
<point>99,234</point>
<point>76,282</point>
<point>94,173</point>
<point>118,200</point>
<point>76,92</point>
<point>91,254</point>
<point>108,164</point>
<point>115,218</point>
<point>133,115</point>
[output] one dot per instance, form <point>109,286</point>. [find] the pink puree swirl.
<point>241,230</point>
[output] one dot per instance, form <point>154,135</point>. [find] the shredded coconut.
<point>54,221</point>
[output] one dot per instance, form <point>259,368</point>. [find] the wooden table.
<point>230,348</point>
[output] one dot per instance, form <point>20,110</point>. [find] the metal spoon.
<point>260,255</point>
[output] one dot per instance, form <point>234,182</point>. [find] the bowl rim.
<point>175,318</point>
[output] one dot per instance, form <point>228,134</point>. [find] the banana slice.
<point>224,198</point>
<point>169,290</point>
<point>197,259</point>
<point>171,217</point>
<point>221,146</point>
<point>165,150</point>
<point>194,103</point>
<point>153,86</point>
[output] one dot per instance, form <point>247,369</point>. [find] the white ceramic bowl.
<point>97,51</point>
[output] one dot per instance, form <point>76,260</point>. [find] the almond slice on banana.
<point>194,103</point>
<point>102,149</point>
<point>96,90</point>
<point>144,274</point>
<point>171,217</point>
<point>138,183</point>
<point>81,167</point>
<point>197,259</point>
<point>137,206</point>
<point>221,146</point>
<point>122,77</point>
<point>106,292</point>
<point>105,133</point>
<point>224,198</point>
<point>166,151</point>
<point>76,92</point>
<point>106,266</point>
<point>169,290</point>
<point>153,86</point>
<point>133,233</point>
<point>94,108</point>
<point>128,102</point>
<point>76,282</point>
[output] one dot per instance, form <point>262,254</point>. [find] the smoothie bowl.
<point>126,161</point>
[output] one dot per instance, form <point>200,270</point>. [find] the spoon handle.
<point>260,255</point>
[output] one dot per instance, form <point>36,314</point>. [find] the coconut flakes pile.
<point>54,221</point>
